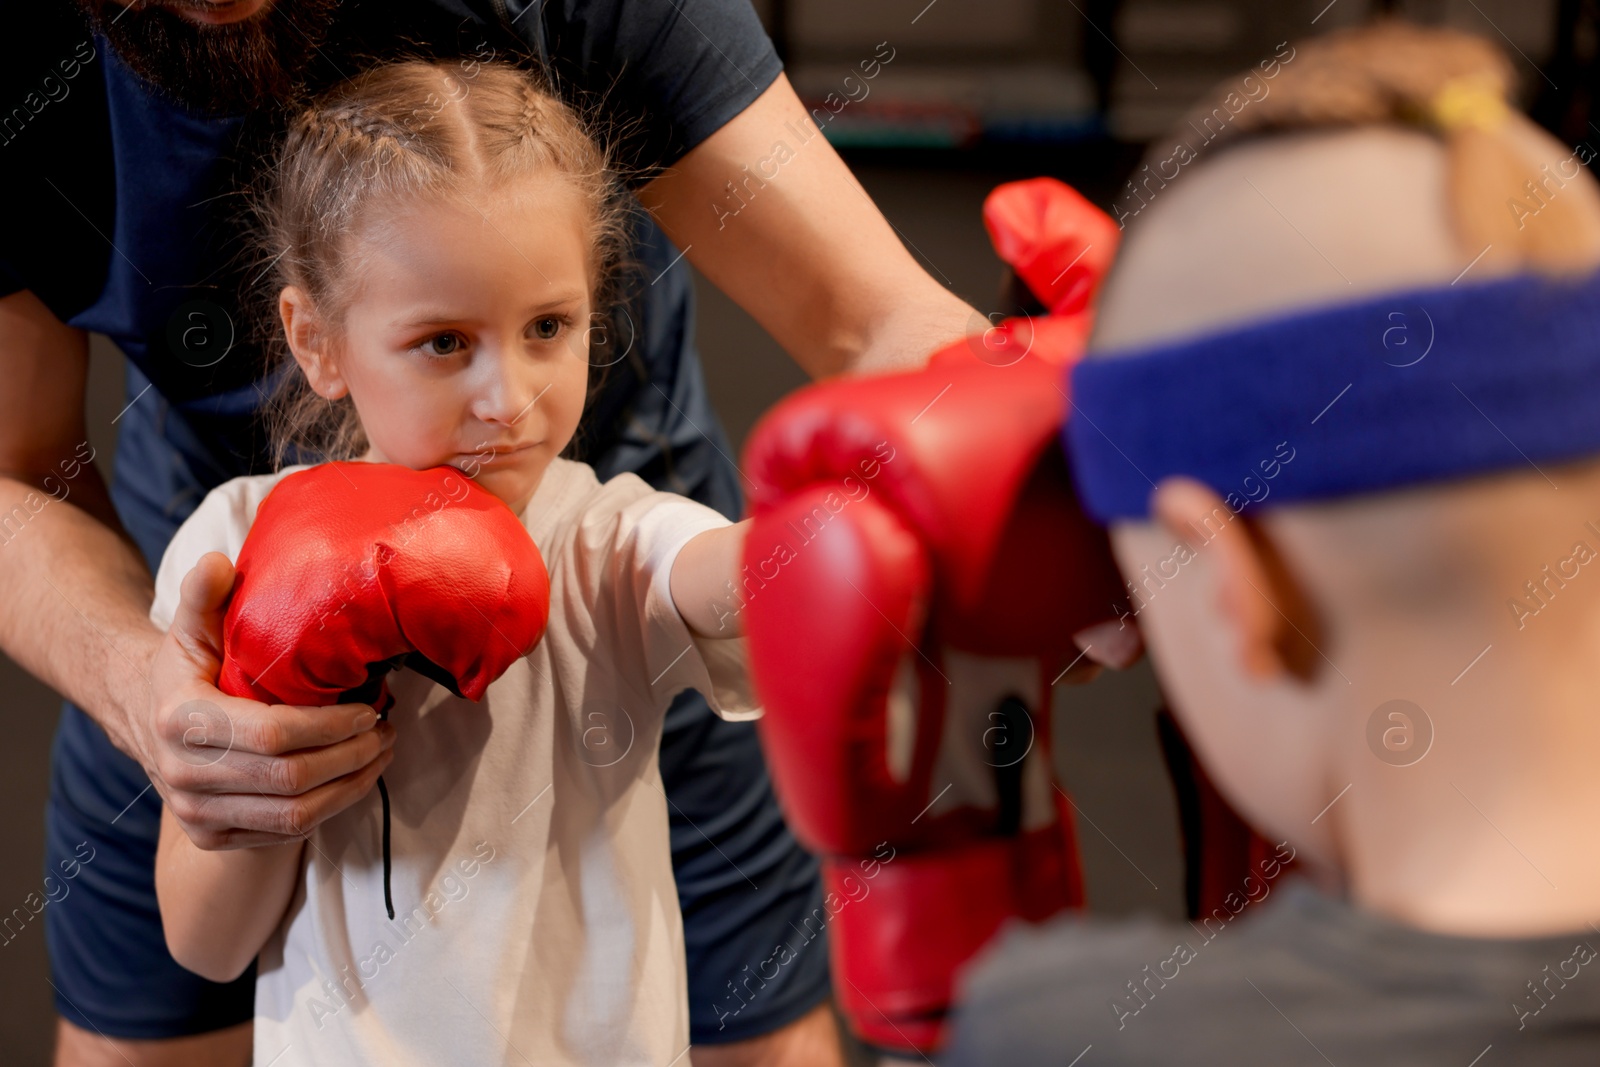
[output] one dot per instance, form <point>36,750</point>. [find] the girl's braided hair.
<point>402,131</point>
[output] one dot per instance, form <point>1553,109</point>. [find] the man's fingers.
<point>226,840</point>
<point>324,802</point>
<point>202,604</point>
<point>234,772</point>
<point>299,773</point>
<point>211,723</point>
<point>245,820</point>
<point>274,729</point>
<point>223,769</point>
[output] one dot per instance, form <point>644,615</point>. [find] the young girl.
<point>445,243</point>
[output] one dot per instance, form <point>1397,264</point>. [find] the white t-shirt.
<point>536,917</point>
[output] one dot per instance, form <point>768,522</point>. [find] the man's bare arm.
<point>80,590</point>
<point>801,247</point>
<point>78,618</point>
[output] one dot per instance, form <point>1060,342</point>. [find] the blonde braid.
<point>531,118</point>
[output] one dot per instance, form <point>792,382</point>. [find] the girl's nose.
<point>509,392</point>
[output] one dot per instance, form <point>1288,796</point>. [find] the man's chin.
<point>205,13</point>
<point>216,58</point>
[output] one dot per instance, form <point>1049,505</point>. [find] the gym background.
<point>932,104</point>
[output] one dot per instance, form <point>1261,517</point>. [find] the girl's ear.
<point>308,340</point>
<point>1277,630</point>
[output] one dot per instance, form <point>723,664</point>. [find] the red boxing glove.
<point>915,572</point>
<point>1058,243</point>
<point>353,569</point>
<point>1060,246</point>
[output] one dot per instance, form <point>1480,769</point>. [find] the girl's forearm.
<point>705,578</point>
<point>219,908</point>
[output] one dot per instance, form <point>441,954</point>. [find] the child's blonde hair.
<point>1456,85</point>
<point>414,128</point>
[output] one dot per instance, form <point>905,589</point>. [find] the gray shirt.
<point>1302,978</point>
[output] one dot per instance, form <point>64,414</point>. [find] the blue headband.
<point>1409,387</point>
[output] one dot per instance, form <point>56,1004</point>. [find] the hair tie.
<point>1468,103</point>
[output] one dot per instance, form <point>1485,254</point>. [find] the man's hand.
<point>236,773</point>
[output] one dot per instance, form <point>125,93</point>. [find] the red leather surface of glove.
<point>352,569</point>
<point>887,505</point>
<point>915,572</point>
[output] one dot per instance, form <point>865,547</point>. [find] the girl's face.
<point>465,342</point>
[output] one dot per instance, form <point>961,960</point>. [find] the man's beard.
<point>223,69</point>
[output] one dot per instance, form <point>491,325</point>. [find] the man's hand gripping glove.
<point>915,574</point>
<point>351,570</point>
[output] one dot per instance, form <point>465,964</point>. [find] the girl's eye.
<point>445,344</point>
<point>546,328</point>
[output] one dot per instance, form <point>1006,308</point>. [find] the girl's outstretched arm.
<point>705,576</point>
<point>219,908</point>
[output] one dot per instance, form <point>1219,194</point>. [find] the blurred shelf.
<point>1092,165</point>
<point>901,103</point>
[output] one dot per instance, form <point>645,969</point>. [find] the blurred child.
<point>1342,409</point>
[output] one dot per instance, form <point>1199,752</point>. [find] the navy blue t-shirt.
<point>124,208</point>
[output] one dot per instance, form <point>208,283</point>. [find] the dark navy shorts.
<point>742,879</point>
